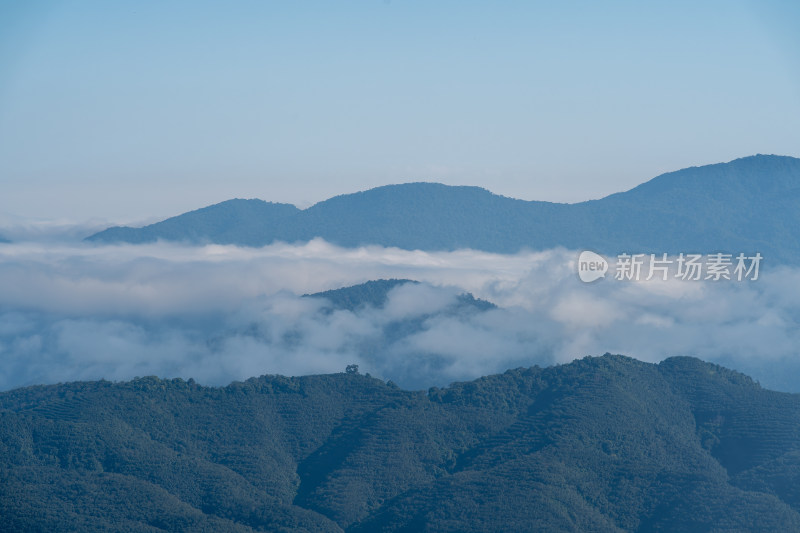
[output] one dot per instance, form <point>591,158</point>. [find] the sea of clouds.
<point>220,313</point>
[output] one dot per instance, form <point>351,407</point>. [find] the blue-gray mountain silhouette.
<point>231,222</point>
<point>746,205</point>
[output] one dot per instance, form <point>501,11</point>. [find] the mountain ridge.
<point>603,443</point>
<point>747,205</point>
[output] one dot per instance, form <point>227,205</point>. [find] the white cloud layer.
<point>221,313</point>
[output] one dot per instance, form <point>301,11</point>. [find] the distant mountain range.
<point>747,205</point>
<point>605,444</point>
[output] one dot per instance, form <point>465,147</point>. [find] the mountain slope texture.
<point>602,444</point>
<point>748,205</point>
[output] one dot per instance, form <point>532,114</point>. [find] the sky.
<point>135,111</point>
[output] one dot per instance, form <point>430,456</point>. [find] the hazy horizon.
<point>37,226</point>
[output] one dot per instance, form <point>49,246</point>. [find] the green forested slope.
<point>601,444</point>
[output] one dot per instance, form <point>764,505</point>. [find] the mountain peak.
<point>371,293</point>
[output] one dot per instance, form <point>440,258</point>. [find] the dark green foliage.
<point>747,205</point>
<point>601,444</point>
<point>372,293</point>
<point>375,293</point>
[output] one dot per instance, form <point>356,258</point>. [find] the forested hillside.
<point>376,292</point>
<point>600,444</point>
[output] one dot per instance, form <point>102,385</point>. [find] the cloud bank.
<point>222,313</point>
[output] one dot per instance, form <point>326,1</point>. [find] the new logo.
<point>591,266</point>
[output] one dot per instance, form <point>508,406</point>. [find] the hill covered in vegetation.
<point>600,444</point>
<point>375,293</point>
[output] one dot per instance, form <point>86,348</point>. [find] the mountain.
<point>601,444</point>
<point>375,293</point>
<point>746,205</point>
<point>232,222</point>
<point>387,347</point>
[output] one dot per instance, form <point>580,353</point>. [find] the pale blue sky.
<point>135,110</point>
